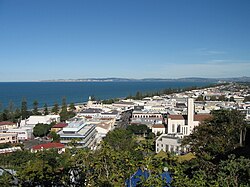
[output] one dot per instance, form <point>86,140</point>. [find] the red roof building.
<point>57,127</point>
<point>5,125</point>
<point>52,145</point>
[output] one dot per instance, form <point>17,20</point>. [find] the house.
<point>10,150</point>
<point>8,138</point>
<point>59,126</point>
<point>52,145</point>
<point>158,129</point>
<point>170,143</point>
<point>23,133</point>
<point>5,125</point>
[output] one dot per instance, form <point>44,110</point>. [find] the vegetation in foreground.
<point>220,159</point>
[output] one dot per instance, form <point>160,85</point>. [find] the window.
<point>167,147</point>
<point>179,128</point>
<point>173,128</point>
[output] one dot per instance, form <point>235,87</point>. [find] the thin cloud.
<point>205,51</point>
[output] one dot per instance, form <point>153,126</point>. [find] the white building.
<point>84,134</point>
<point>8,138</point>
<point>179,126</point>
<point>170,143</point>
<point>148,118</point>
<point>23,133</point>
<point>33,120</point>
<point>90,112</point>
<point>158,129</point>
<point>5,125</point>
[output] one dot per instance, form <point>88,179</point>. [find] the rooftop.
<point>60,125</point>
<point>48,146</point>
<point>6,123</point>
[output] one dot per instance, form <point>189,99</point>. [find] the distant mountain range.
<point>188,79</point>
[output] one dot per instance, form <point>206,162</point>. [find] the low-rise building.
<point>81,133</point>
<point>8,138</point>
<point>52,145</point>
<point>179,126</point>
<point>170,143</point>
<point>23,133</point>
<point>90,112</point>
<point>48,119</point>
<point>158,129</point>
<point>148,118</point>
<point>59,126</point>
<point>5,125</point>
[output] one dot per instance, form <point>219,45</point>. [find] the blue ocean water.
<point>77,92</point>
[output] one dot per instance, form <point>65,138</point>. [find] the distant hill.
<point>188,79</point>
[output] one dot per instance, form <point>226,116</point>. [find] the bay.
<point>78,92</point>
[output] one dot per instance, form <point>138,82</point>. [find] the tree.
<point>72,107</point>
<point>55,137</point>
<point>64,111</point>
<point>41,130</point>
<point>200,98</point>
<point>24,109</point>
<point>247,98</point>
<point>35,108</point>
<point>138,129</point>
<point>55,108</point>
<point>45,110</point>
<point>120,139</point>
<point>234,172</point>
<point>217,136</point>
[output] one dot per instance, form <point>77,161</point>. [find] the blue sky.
<point>54,39</point>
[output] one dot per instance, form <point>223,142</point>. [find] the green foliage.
<point>200,98</point>
<point>55,137</point>
<point>234,172</point>
<point>247,98</point>
<point>120,139</point>
<point>72,107</point>
<point>217,136</point>
<point>24,109</point>
<point>41,130</point>
<point>55,108</point>
<point>110,101</point>
<point>65,114</point>
<point>45,110</point>
<point>35,108</point>
<point>138,129</point>
<point>6,179</point>
<point>5,145</point>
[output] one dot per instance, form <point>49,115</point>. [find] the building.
<point>8,138</point>
<point>81,133</point>
<point>170,143</point>
<point>23,133</point>
<point>90,112</point>
<point>59,126</point>
<point>124,105</point>
<point>10,150</point>
<point>145,117</point>
<point>179,126</point>
<point>52,145</point>
<point>5,125</point>
<point>33,120</point>
<point>158,129</point>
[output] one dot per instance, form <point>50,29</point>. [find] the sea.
<point>77,92</point>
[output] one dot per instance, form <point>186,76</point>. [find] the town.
<point>169,118</point>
